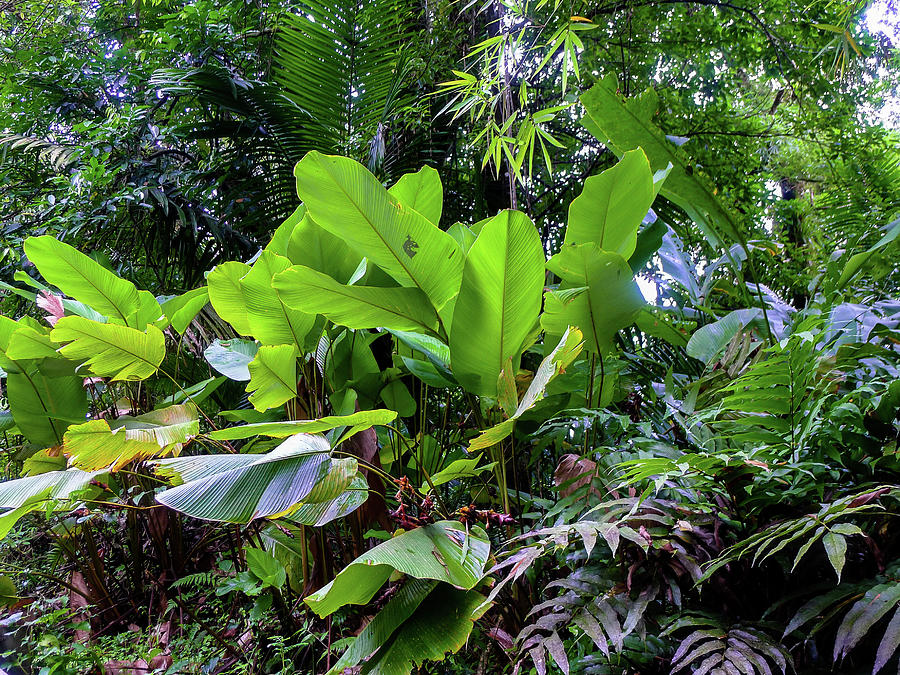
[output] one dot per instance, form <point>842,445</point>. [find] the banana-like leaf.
<point>626,124</point>
<point>565,352</point>
<point>500,300</point>
<point>232,357</point>
<point>149,311</point>
<point>421,191</point>
<point>42,405</point>
<point>110,350</point>
<point>27,342</point>
<point>423,622</point>
<point>612,206</point>
<point>273,376</point>
<point>316,514</point>
<point>443,551</point>
<point>282,237</point>
<point>112,444</point>
<point>357,307</point>
<point>182,309</point>
<point>362,419</point>
<point>311,245</point>
<point>241,488</point>
<point>605,298</point>
<point>708,341</point>
<point>271,322</point>
<point>55,486</point>
<point>227,297</point>
<point>344,198</point>
<point>84,279</point>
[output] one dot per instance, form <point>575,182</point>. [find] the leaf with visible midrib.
<point>357,307</point>
<point>84,279</point>
<point>612,206</point>
<point>110,350</point>
<point>240,488</point>
<point>347,200</point>
<point>626,125</point>
<point>443,551</point>
<point>499,301</point>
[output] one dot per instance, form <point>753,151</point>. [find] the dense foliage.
<point>380,337</point>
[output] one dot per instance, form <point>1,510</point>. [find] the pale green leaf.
<point>357,307</point>
<point>110,350</point>
<point>112,444</point>
<point>273,376</point>
<point>182,309</point>
<point>443,551</point>
<point>241,488</point>
<point>232,357</point>
<point>421,191</point>
<point>347,200</point>
<point>499,301</point>
<point>363,418</point>
<point>84,279</point>
<point>612,205</point>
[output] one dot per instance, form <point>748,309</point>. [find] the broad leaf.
<point>271,322</point>
<point>54,486</point>
<point>605,298</point>
<point>443,551</point>
<point>423,622</point>
<point>313,246</point>
<point>112,444</point>
<point>273,376</point>
<point>44,406</point>
<point>421,191</point>
<point>265,567</point>
<point>110,350</point>
<point>626,124</point>
<point>227,297</point>
<point>317,514</point>
<point>232,357</point>
<point>241,488</point>
<point>356,307</point>
<point>708,341</point>
<point>344,198</point>
<point>499,301</point>
<point>182,309</point>
<point>84,279</point>
<point>362,419</point>
<point>612,205</point>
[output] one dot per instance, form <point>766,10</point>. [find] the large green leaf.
<point>84,279</point>
<point>443,551</point>
<point>54,486</point>
<point>562,356</point>
<point>241,488</point>
<point>612,205</point>
<point>355,307</point>
<point>601,300</point>
<point>273,376</point>
<point>362,419</point>
<point>499,300</point>
<point>424,621</point>
<point>110,350</point>
<point>708,341</point>
<point>43,406</point>
<point>317,514</point>
<point>625,124</point>
<point>182,309</point>
<point>344,198</point>
<point>311,245</point>
<point>232,357</point>
<point>270,321</point>
<point>112,444</point>
<point>421,191</point>
<point>227,297</point>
